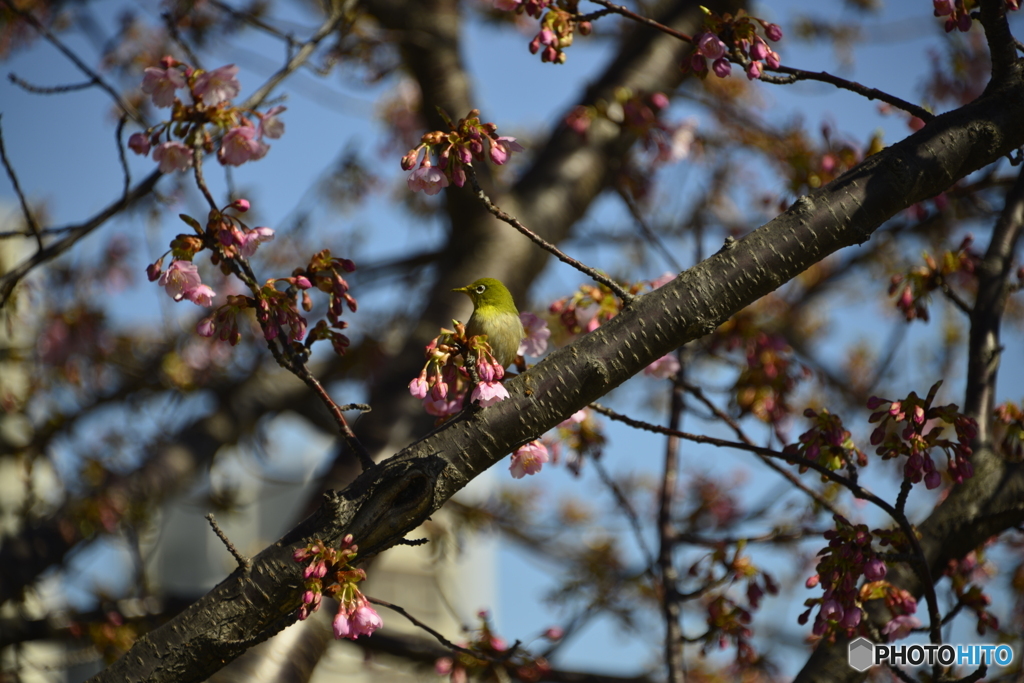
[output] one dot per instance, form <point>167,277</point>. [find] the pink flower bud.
<point>722,67</point>
<point>241,205</point>
<point>139,143</point>
<point>774,32</point>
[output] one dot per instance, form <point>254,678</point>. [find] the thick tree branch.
<point>393,498</point>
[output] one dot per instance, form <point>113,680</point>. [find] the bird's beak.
<point>464,290</point>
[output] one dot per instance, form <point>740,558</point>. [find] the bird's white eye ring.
<point>480,289</point>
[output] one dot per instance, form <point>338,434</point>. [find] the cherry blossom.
<point>172,156</point>
<point>528,459</point>
<point>162,84</point>
<point>537,334</point>
<point>219,85</point>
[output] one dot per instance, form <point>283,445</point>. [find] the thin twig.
<point>646,231</point>
<point>920,564</point>
<point>341,10</point>
<point>626,297</point>
<point>82,66</point>
<point>250,18</point>
<point>120,154</point>
<point>49,90</point>
<point>954,297</point>
<point>742,436</point>
<point>627,509</point>
<point>667,538</point>
<point>244,562</point>
<point>75,233</point>
<point>854,488</point>
<point>852,86</point>
<point>25,210</point>
<point>346,431</point>
<point>444,641</point>
<point>794,74</point>
<point>619,9</point>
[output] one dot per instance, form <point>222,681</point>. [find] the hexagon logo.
<point>861,654</point>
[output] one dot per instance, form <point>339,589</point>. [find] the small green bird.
<point>495,314</point>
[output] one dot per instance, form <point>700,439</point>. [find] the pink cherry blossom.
<point>537,333</point>
<point>759,50</point>
<point>172,156</point>
<point>214,87</point>
<point>831,610</point>
<point>774,32</point>
<point>754,71</point>
<point>428,179</point>
<point>161,84</point>
<point>943,7</point>
<point>182,277</point>
<point>254,238</point>
<point>201,295</point>
<point>489,393</point>
<point>240,145</point>
<point>270,125</point>
<point>851,619</point>
<point>874,570</point>
<point>900,627</point>
<point>528,459</point>
<point>365,621</point>
<point>662,280</point>
<point>139,143</point>
<point>711,46</point>
<point>722,67</point>
<point>442,407</point>
<point>574,419</point>
<point>418,387</point>
<point>659,100</point>
<point>664,367</point>
<point>356,619</point>
<point>502,148</point>
<point>205,327</point>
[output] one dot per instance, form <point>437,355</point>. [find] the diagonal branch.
<point>384,503</point>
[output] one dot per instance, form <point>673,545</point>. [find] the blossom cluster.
<point>242,133</point>
<point>913,427</point>
<point>728,36</point>
<point>827,443</point>
<point>444,380</point>
<point>558,24</point>
<point>488,657</point>
<point>278,313</point>
<point>958,12</point>
<point>227,236</point>
<point>455,150</point>
<point>913,289</point>
<point>641,115</point>
<point>848,556</point>
<point>276,302</point>
<point>328,571</point>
